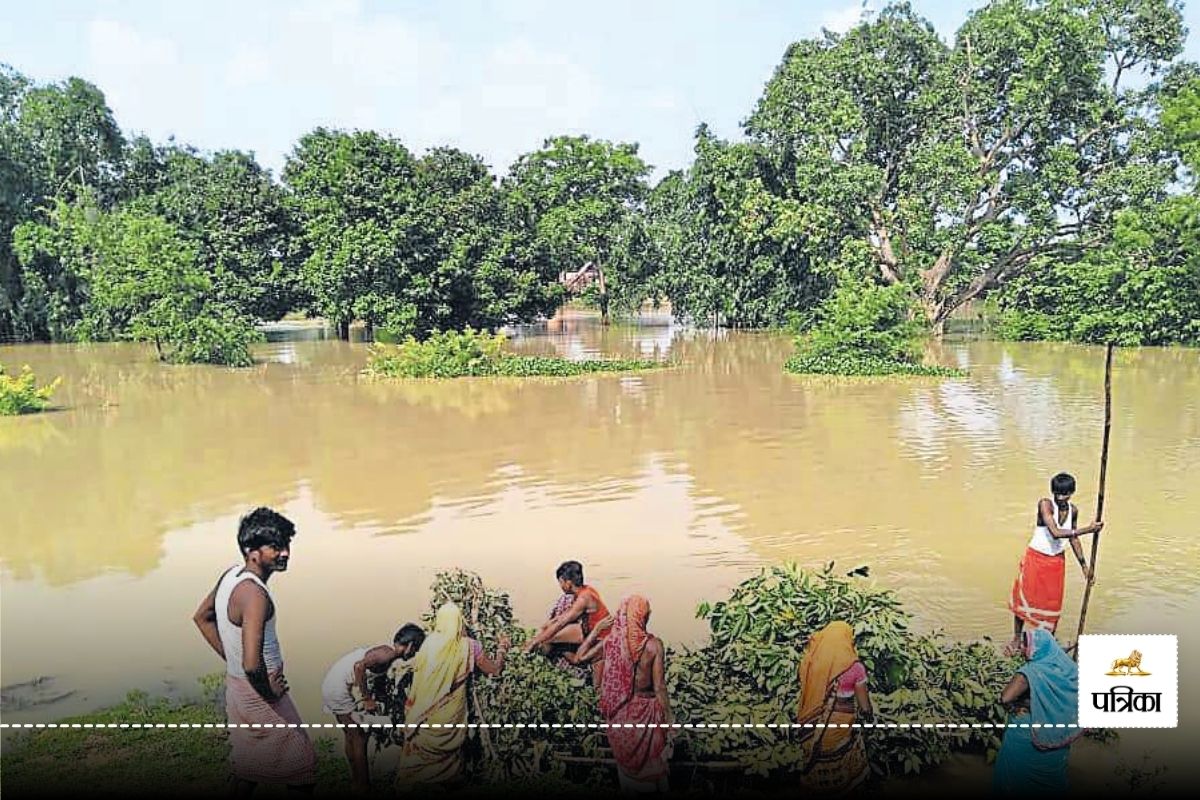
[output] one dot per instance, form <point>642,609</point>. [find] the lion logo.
<point>1128,666</point>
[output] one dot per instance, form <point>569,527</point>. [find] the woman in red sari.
<point>633,689</point>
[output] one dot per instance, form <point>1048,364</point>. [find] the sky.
<point>493,78</point>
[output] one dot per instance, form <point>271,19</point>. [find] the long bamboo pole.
<point>1087,592</point>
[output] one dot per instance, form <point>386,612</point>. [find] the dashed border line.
<point>541,725</point>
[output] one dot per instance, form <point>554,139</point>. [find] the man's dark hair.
<point>571,571</point>
<point>410,634</point>
<point>1062,483</point>
<point>262,527</point>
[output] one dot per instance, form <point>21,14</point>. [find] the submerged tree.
<point>582,196</point>
<point>411,245</point>
<point>141,282</point>
<point>732,247</point>
<point>960,166</point>
<point>56,140</point>
<point>230,210</point>
<point>1143,287</point>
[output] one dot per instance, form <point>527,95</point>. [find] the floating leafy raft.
<point>747,672</point>
<point>864,365</point>
<point>457,354</point>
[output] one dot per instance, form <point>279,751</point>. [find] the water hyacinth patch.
<point>457,354</point>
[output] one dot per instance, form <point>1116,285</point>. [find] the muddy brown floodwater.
<point>118,512</point>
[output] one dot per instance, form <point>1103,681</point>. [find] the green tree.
<point>475,256</point>
<point>57,140</point>
<point>141,281</point>
<point>1143,287</point>
<point>960,166</point>
<point>235,216</point>
<point>352,193</point>
<point>413,245</point>
<point>732,247</point>
<point>580,195</point>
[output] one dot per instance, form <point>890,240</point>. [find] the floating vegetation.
<point>457,354</point>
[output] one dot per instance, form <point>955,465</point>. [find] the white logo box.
<point>1129,698</point>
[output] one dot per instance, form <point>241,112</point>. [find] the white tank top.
<point>1042,540</point>
<point>231,635</point>
<point>342,672</point>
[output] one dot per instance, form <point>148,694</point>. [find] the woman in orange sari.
<point>833,691</point>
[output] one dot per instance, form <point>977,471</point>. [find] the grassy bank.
<point>134,761</point>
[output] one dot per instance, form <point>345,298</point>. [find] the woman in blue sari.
<point>1033,760</point>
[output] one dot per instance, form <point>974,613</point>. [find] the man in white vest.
<point>237,619</point>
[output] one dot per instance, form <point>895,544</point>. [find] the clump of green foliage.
<point>751,664</point>
<point>143,282</point>
<point>456,354</point>
<point>530,691</point>
<point>863,328</point>
<point>22,395</point>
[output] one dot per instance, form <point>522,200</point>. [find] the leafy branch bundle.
<point>746,672</point>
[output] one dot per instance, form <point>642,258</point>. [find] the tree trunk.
<point>343,329</point>
<point>369,334</point>
<point>935,312</point>
<point>603,295</point>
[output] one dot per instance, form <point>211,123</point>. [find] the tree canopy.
<point>1044,155</point>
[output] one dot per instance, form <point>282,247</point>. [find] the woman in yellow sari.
<point>833,691</point>
<point>438,697</point>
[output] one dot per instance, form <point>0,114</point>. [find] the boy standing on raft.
<point>1037,593</point>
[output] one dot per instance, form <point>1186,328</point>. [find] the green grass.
<point>135,761</point>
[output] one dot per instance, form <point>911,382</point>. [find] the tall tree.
<point>1143,287</point>
<point>579,194</point>
<point>141,280</point>
<point>733,248</point>
<point>413,245</point>
<point>234,215</point>
<point>352,193</point>
<point>958,167</point>
<point>56,141</point>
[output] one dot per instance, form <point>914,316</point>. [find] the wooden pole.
<point>1087,592</point>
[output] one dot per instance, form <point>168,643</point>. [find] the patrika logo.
<point>1118,692</point>
<point>1126,666</point>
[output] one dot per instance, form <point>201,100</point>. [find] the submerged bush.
<point>748,673</point>
<point>863,329</point>
<point>22,395</point>
<point>456,354</point>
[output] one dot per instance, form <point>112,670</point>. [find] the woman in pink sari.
<point>633,690</point>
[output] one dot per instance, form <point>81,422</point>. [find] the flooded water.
<point>118,512</point>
